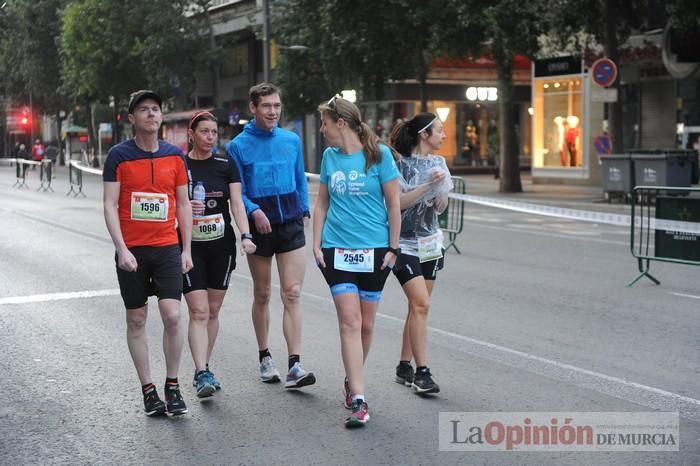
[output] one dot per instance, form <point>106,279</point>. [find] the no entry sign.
<point>604,72</point>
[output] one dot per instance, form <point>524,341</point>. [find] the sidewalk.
<point>567,196</point>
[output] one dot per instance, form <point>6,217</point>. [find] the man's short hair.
<point>141,95</point>
<point>261,90</point>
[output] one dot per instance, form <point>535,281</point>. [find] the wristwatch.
<point>396,251</point>
<point>246,236</point>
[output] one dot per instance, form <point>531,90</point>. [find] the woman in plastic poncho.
<point>425,184</point>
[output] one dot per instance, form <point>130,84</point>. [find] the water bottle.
<point>199,193</point>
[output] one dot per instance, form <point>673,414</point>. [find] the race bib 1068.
<point>208,228</point>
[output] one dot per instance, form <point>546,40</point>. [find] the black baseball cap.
<point>140,95</point>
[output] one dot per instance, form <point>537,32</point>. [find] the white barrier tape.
<point>572,214</point>
<point>581,215</point>
<point>27,162</point>
<point>79,166</point>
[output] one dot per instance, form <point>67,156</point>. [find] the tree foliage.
<point>28,52</point>
<point>113,47</point>
<point>358,44</point>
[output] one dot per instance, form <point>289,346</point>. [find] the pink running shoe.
<point>359,415</point>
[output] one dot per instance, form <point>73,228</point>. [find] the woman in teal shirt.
<point>356,225</point>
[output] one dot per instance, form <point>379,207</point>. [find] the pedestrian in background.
<point>356,236</point>
<point>275,195</point>
<point>38,151</point>
<point>213,244</point>
<point>52,151</point>
<point>425,184</point>
<point>145,191</point>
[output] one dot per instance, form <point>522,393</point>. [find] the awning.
<point>73,129</point>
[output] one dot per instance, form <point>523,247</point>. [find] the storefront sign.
<point>558,66</point>
<point>484,94</point>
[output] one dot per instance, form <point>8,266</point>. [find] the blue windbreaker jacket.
<point>272,172</point>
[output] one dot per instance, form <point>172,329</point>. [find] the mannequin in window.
<point>571,139</point>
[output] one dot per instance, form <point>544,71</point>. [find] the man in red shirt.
<point>145,191</point>
<point>38,151</point>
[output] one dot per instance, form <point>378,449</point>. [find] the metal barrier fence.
<point>46,175</point>
<point>75,177</point>
<point>665,227</point>
<point>452,219</point>
<point>21,173</point>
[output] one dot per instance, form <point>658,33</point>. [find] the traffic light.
<point>25,117</point>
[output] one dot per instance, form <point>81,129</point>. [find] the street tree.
<point>110,48</point>
<point>358,45</point>
<point>507,28</point>
<point>29,55</point>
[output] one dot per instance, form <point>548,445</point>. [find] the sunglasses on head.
<point>331,102</point>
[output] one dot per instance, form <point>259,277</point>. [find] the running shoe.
<point>268,371</point>
<point>423,382</point>
<point>214,380</point>
<point>404,374</point>
<point>205,385</point>
<point>297,377</point>
<point>359,415</point>
<point>173,399</point>
<point>347,402</point>
<point>152,404</point>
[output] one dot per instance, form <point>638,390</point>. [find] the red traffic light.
<point>24,120</point>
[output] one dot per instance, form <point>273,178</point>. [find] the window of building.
<point>558,122</point>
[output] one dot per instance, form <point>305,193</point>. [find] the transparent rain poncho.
<point>420,232</point>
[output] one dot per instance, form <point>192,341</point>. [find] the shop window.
<point>558,122</point>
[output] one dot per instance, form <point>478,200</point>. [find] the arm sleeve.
<point>233,175</point>
<point>387,166</point>
<point>109,172</point>
<point>300,176</point>
<point>324,171</point>
<point>233,152</point>
<point>181,175</point>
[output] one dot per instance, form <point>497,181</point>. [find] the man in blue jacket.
<point>276,199</point>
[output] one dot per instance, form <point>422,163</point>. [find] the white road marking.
<point>683,295</point>
<point>41,298</point>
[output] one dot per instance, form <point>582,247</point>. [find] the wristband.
<point>395,251</point>
<point>246,236</point>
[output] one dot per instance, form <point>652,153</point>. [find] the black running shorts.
<point>364,281</point>
<point>284,237</point>
<point>159,273</point>
<point>209,271</point>
<point>411,267</point>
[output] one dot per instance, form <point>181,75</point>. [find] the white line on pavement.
<point>683,295</point>
<point>39,298</point>
<point>613,386</point>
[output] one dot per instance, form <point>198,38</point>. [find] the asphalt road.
<point>533,316</point>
